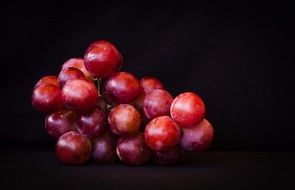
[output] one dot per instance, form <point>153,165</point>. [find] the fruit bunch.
<point>96,111</point>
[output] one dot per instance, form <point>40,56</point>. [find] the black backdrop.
<point>237,56</point>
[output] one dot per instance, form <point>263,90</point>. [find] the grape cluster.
<point>96,111</point>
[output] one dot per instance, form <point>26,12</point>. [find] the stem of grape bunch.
<point>98,82</point>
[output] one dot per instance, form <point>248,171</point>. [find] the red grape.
<point>122,88</point>
<point>68,74</point>
<point>102,59</point>
<point>104,148</point>
<point>73,149</point>
<point>48,80</point>
<point>170,157</point>
<point>80,95</point>
<point>157,103</point>
<point>90,104</point>
<point>124,119</point>
<point>146,85</point>
<point>47,98</point>
<point>59,123</point>
<point>132,150</point>
<point>198,137</point>
<point>187,109</point>
<point>79,64</point>
<point>92,124</point>
<point>162,134</point>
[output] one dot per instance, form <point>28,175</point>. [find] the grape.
<point>92,124</point>
<point>79,64</point>
<point>157,103</point>
<point>48,80</point>
<point>187,109</point>
<point>104,148</point>
<point>122,88</point>
<point>124,119</point>
<point>197,138</point>
<point>80,95</point>
<point>70,73</point>
<point>73,149</point>
<point>132,150</point>
<point>59,123</point>
<point>162,134</point>
<point>102,59</point>
<point>95,110</point>
<point>47,98</point>
<point>147,84</point>
<point>170,157</point>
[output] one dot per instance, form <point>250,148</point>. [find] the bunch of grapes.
<point>97,112</point>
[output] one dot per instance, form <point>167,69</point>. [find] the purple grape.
<point>92,124</point>
<point>132,150</point>
<point>170,157</point>
<point>104,148</point>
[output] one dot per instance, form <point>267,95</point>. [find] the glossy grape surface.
<point>59,123</point>
<point>124,119</point>
<point>48,80</point>
<point>157,103</point>
<point>104,148</point>
<point>102,59</point>
<point>47,98</point>
<point>92,124</point>
<point>132,150</point>
<point>73,148</point>
<point>122,88</point>
<point>187,109</point>
<point>197,138</point>
<point>162,134</point>
<point>79,64</point>
<point>68,74</point>
<point>80,95</point>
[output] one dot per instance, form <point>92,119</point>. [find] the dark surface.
<point>237,55</point>
<point>28,169</point>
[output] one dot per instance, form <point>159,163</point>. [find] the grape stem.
<point>67,114</point>
<point>100,82</point>
<point>99,86</point>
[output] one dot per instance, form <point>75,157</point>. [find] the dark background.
<point>237,56</point>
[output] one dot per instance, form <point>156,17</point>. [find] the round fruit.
<point>122,88</point>
<point>77,63</point>
<point>133,150</point>
<point>68,74</point>
<point>157,103</point>
<point>73,149</point>
<point>92,124</point>
<point>197,138</point>
<point>124,119</point>
<point>47,98</point>
<point>162,134</point>
<point>104,148</point>
<point>187,109</point>
<point>102,59</point>
<point>59,123</point>
<point>148,84</point>
<point>48,80</point>
<point>80,95</point>
<point>170,157</point>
